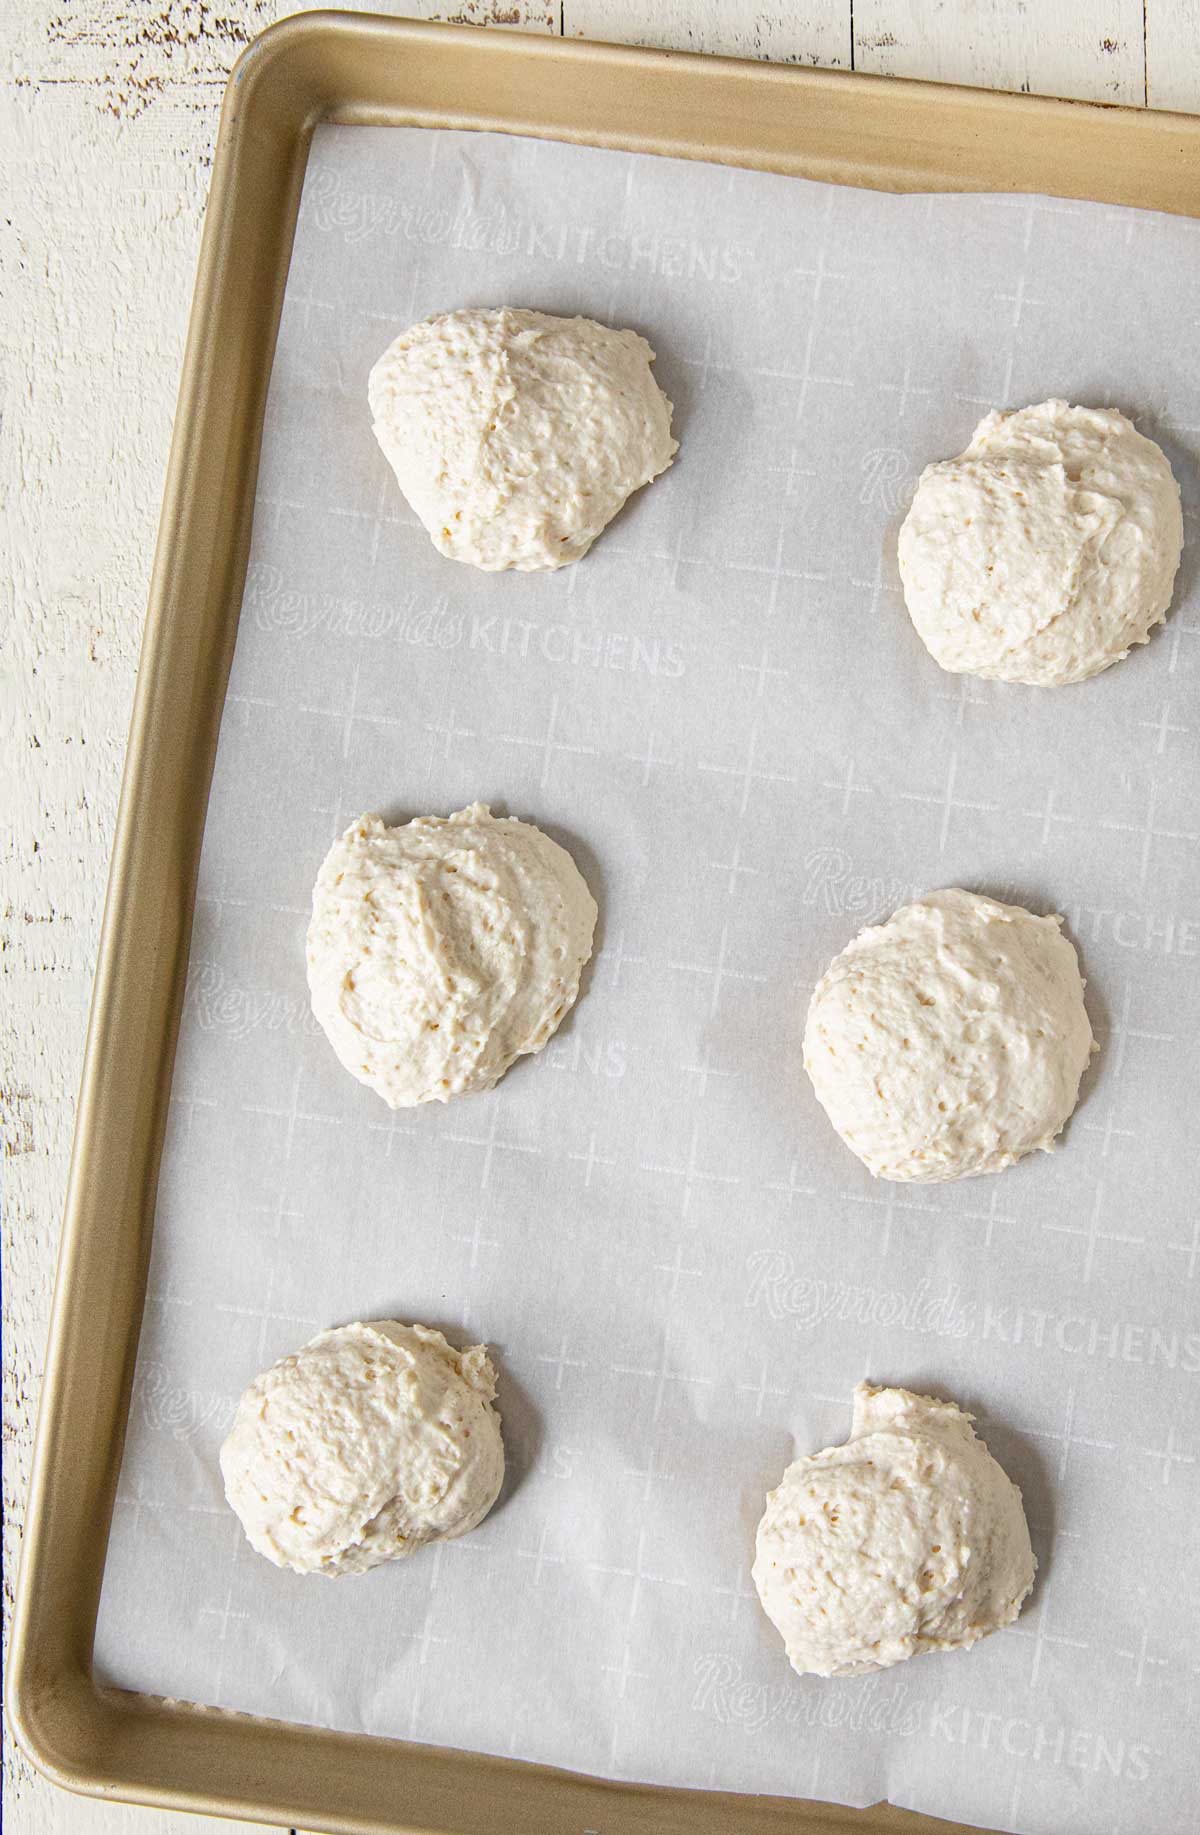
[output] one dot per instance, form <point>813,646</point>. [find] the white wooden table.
<point>106,142</point>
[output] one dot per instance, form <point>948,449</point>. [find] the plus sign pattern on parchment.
<point>725,714</point>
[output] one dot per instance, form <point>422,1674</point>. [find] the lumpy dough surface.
<point>516,436</point>
<point>951,1040</point>
<point>440,952</point>
<point>369,1442</point>
<point>1046,550</point>
<point>909,1538</point>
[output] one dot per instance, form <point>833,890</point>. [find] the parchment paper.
<point>724,712</point>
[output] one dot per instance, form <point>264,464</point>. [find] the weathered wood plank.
<point>816,33</point>
<point>1091,49</point>
<point>1173,54</point>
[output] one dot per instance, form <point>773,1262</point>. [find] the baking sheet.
<point>725,714</point>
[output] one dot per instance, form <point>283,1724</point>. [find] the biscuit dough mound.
<point>515,436</point>
<point>440,952</point>
<point>370,1441</point>
<point>951,1040</point>
<point>909,1538</point>
<point>1045,550</point>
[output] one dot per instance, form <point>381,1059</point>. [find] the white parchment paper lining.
<point>726,715</point>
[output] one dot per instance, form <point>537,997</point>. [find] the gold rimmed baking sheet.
<point>856,130</point>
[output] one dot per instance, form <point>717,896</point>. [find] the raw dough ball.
<point>1047,549</point>
<point>516,437</point>
<point>909,1538</point>
<point>370,1441</point>
<point>951,1040</point>
<point>439,952</point>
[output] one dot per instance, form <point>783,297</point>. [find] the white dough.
<point>951,1040</point>
<point>369,1442</point>
<point>909,1538</point>
<point>440,952</point>
<point>1045,550</point>
<point>516,437</point>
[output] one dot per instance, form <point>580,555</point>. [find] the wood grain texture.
<point>1173,54</point>
<point>818,32</point>
<point>1088,49</point>
<point>106,142</point>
